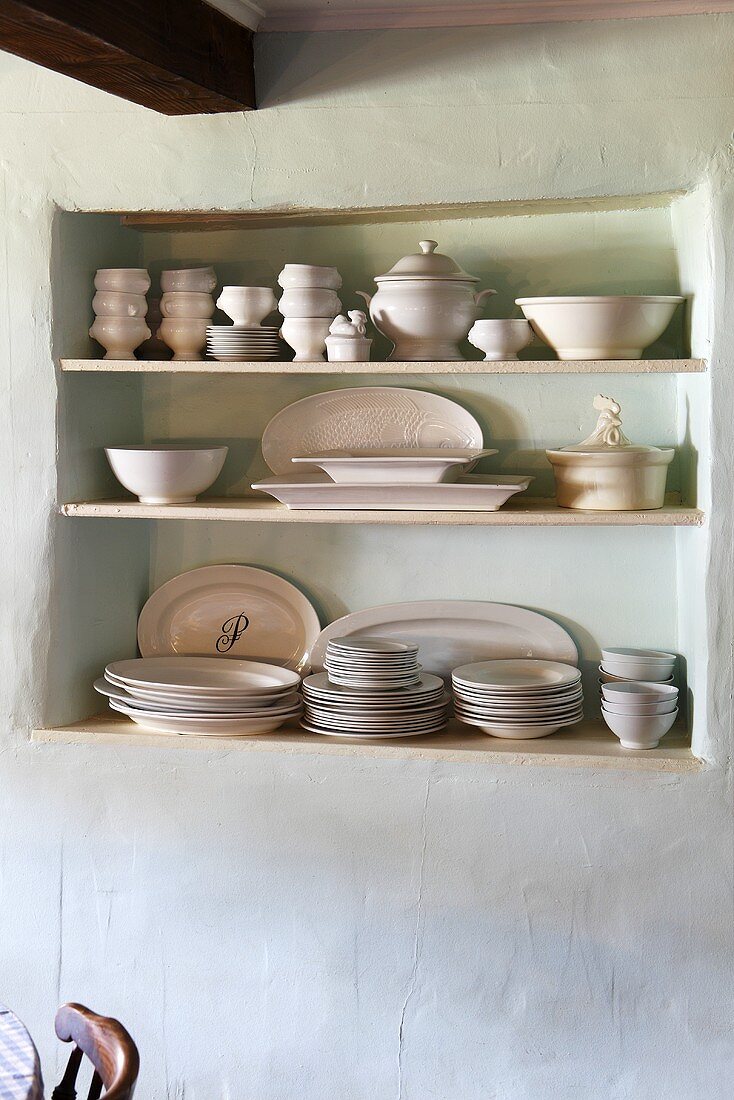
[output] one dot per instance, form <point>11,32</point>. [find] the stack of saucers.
<point>203,696</point>
<point>630,665</point>
<point>639,713</point>
<point>373,689</point>
<point>379,664</point>
<point>519,698</point>
<point>230,343</point>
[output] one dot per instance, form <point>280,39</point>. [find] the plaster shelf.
<point>262,510</point>
<point>589,745</point>
<point>517,366</point>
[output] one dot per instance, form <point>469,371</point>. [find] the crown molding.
<point>244,12</point>
<point>492,12</point>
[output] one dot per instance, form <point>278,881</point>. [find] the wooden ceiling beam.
<point>177,57</point>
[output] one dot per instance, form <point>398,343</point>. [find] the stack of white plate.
<point>638,713</point>
<point>362,714</point>
<point>374,664</point>
<point>518,698</point>
<point>243,342</point>
<point>204,696</point>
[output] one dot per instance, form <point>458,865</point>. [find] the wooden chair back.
<point>108,1047</point>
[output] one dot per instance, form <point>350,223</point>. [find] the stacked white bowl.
<point>309,304</point>
<point>120,308</point>
<point>202,696</point>
<point>247,338</point>
<point>639,700</point>
<point>186,306</point>
<point>373,689</point>
<point>518,698</point>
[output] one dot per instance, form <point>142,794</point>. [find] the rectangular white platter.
<point>470,495</point>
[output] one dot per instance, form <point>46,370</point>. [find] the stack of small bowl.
<point>187,306</point>
<point>120,307</point>
<point>639,700</point>
<point>309,304</point>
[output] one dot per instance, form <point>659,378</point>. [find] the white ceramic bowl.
<point>639,668</point>
<point>127,280</point>
<point>115,303</point>
<point>307,337</point>
<point>300,275</point>
<point>309,302</point>
<point>247,305</point>
<point>501,339</point>
<point>201,279</point>
<point>638,692</point>
<point>186,304</point>
<point>636,731</point>
<point>167,474</point>
<point>667,706</point>
<point>120,336</point>
<point>610,678</point>
<point>600,326</point>
<point>185,337</point>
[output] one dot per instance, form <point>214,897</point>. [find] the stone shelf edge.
<point>528,366</point>
<point>589,745</point>
<point>538,514</point>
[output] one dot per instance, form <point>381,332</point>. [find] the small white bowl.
<point>609,678</point>
<point>639,731</point>
<point>170,473</point>
<point>305,302</point>
<point>126,280</point>
<point>625,654</point>
<point>500,340</point>
<point>120,336</point>
<point>638,692</point>
<point>663,707</point>
<point>307,337</point>
<point>187,305</point>
<point>600,326</point>
<point>301,275</point>
<point>115,303</point>
<point>184,336</point>
<point>639,669</point>
<point>200,279</point>
<point>247,305</point>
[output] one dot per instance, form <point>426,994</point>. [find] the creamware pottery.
<point>120,336</point>
<point>167,473</point>
<point>185,336</point>
<point>600,326</point>
<point>500,340</point>
<point>200,279</point>
<point>187,304</point>
<point>125,280</point>
<point>247,305</point>
<point>608,473</point>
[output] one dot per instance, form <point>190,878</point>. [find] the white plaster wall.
<point>276,928</point>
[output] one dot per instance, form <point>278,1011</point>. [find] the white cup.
<point>185,337</point>
<point>247,305</point>
<point>114,303</point>
<point>120,336</point>
<point>309,302</point>
<point>307,337</point>
<point>201,279</point>
<point>187,304</point>
<point>127,280</point>
<point>295,275</point>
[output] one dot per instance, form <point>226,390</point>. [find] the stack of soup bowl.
<point>309,304</point>
<point>186,306</point>
<point>639,700</point>
<point>120,307</point>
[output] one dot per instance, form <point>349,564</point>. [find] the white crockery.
<point>309,302</point>
<point>202,726</point>
<point>183,702</point>
<point>600,326</point>
<point>519,732</point>
<point>166,474</point>
<point>516,677</point>
<point>126,280</point>
<point>185,336</point>
<point>187,304</point>
<point>307,337</point>
<point>500,339</point>
<point>639,669</point>
<point>202,675</point>
<point>247,305</point>
<point>308,275</point>
<point>200,279</point>
<point>120,336</point>
<point>609,678</point>
<point>318,491</point>
<point>636,691</point>
<point>367,417</point>
<point>115,303</point>
<point>638,731</point>
<point>665,707</point>
<point>394,466</point>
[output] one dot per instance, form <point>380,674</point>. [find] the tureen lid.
<point>427,264</point>
<point>608,437</point>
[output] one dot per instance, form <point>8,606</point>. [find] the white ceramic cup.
<point>307,337</point>
<point>199,279</point>
<point>127,280</point>
<point>185,337</point>
<point>309,302</point>
<point>115,303</point>
<point>308,275</point>
<point>120,336</point>
<point>247,305</point>
<point>187,304</point>
<point>500,339</point>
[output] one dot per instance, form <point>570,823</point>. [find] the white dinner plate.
<point>367,736</point>
<point>173,703</point>
<point>200,727</point>
<point>517,733</point>
<point>319,683</point>
<point>215,702</point>
<point>230,611</point>
<point>516,675</point>
<point>367,417</point>
<point>374,647</point>
<point>452,633</point>
<point>202,675</point>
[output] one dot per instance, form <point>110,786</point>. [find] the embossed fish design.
<point>364,420</point>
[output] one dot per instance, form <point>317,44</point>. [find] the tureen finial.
<point>608,430</point>
<point>428,246</point>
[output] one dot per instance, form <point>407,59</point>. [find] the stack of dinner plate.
<point>518,698</point>
<point>204,696</point>
<point>243,342</point>
<point>377,664</point>
<point>366,714</point>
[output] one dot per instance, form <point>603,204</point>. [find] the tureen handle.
<point>483,294</point>
<point>363,294</point>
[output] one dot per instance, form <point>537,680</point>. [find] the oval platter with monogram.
<point>230,611</point>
